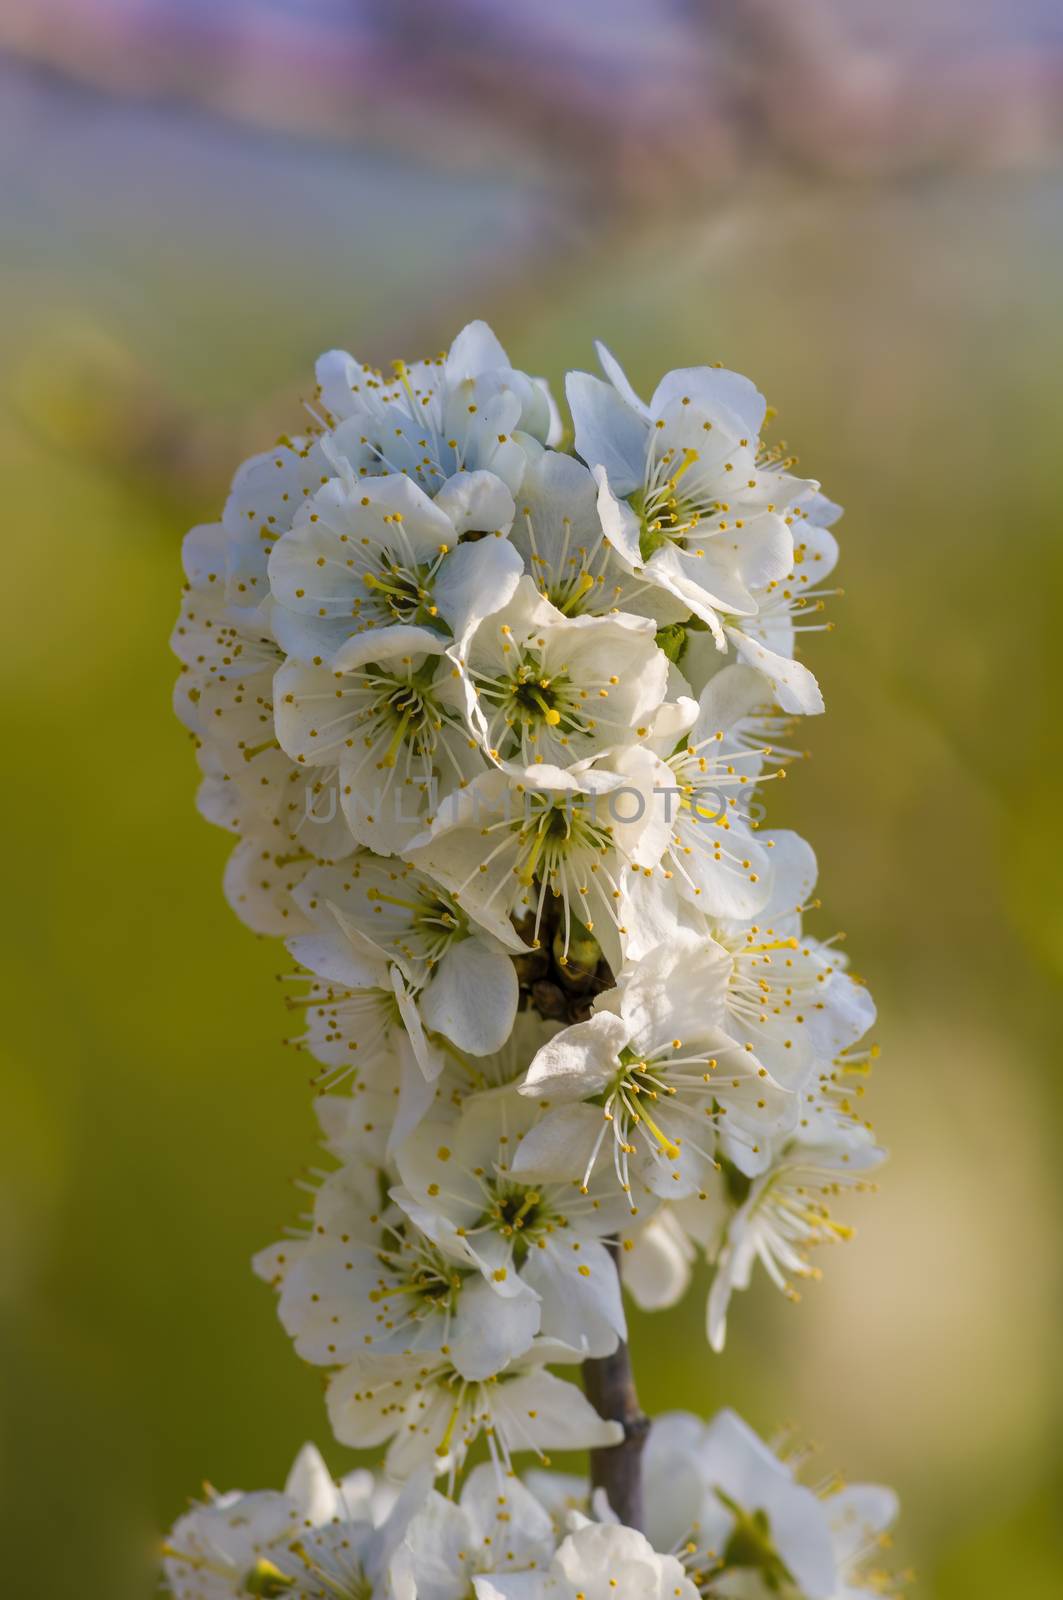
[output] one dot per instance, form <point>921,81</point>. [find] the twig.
<point>610,1385</point>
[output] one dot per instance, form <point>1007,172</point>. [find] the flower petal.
<point>726,396</point>
<point>472,997</point>
<point>578,1061</point>
<point>609,433</point>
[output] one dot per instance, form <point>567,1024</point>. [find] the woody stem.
<point>610,1385</point>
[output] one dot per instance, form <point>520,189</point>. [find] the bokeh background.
<point>859,203</point>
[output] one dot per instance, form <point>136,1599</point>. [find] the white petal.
<point>619,523</point>
<point>609,433</point>
<point>492,1329</point>
<point>578,1061</point>
<point>337,374</point>
<point>651,913</point>
<point>555,427</point>
<point>475,350</point>
<point>429,1060</point>
<point>472,997</point>
<point>640,817</point>
<point>477,500</point>
<point>764,551</point>
<point>730,695</point>
<point>539,1411</point>
<point>580,1294</point>
<point>383,644</point>
<point>709,580</point>
<point>331,957</point>
<point>437,1543</point>
<point>795,688</point>
<point>657,1264</point>
<point>478,578</point>
<point>676,716</point>
<point>513,1586</point>
<point>311,1486</point>
<point>515,1520</point>
<point>363,1406</point>
<point>678,990</point>
<point>560,1144</point>
<point>619,380</point>
<point>857,1513</point>
<point>848,1012</point>
<point>203,554</point>
<point>260,892</point>
<point>794,874</point>
<point>416,1092</point>
<point>717,1306</point>
<point>728,396</point>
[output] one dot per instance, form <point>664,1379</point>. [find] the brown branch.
<point>610,1386</point>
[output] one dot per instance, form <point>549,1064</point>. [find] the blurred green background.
<point>171,264</point>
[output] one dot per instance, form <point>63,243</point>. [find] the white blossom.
<point>368,1035</point>
<point>597,1561</point>
<point>509,848</point>
<point>266,492</point>
<point>250,786</point>
<point>748,1527</point>
<point>466,411</point>
<point>366,1120</point>
<point>429,1414</point>
<point>462,1192</point>
<point>558,531</point>
<point>266,1543</point>
<point>719,1489</point>
<point>713,862</point>
<point>790,996</point>
<point>383,926</point>
<point>365,1283</point>
<point>375,1090</point>
<point>495,1526</point>
<point>548,688</point>
<point>375,555</point>
<point>687,498</point>
<point>351,1559</point>
<point>672,1089</point>
<point>785,1215</point>
<point>385,715</point>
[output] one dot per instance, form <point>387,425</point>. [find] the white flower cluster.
<point>725,1517</point>
<point>490,721</point>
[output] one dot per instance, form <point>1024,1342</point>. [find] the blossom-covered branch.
<point>492,723</point>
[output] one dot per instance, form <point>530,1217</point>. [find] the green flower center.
<point>537,699</point>
<point>521,1215</point>
<point>405,592</point>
